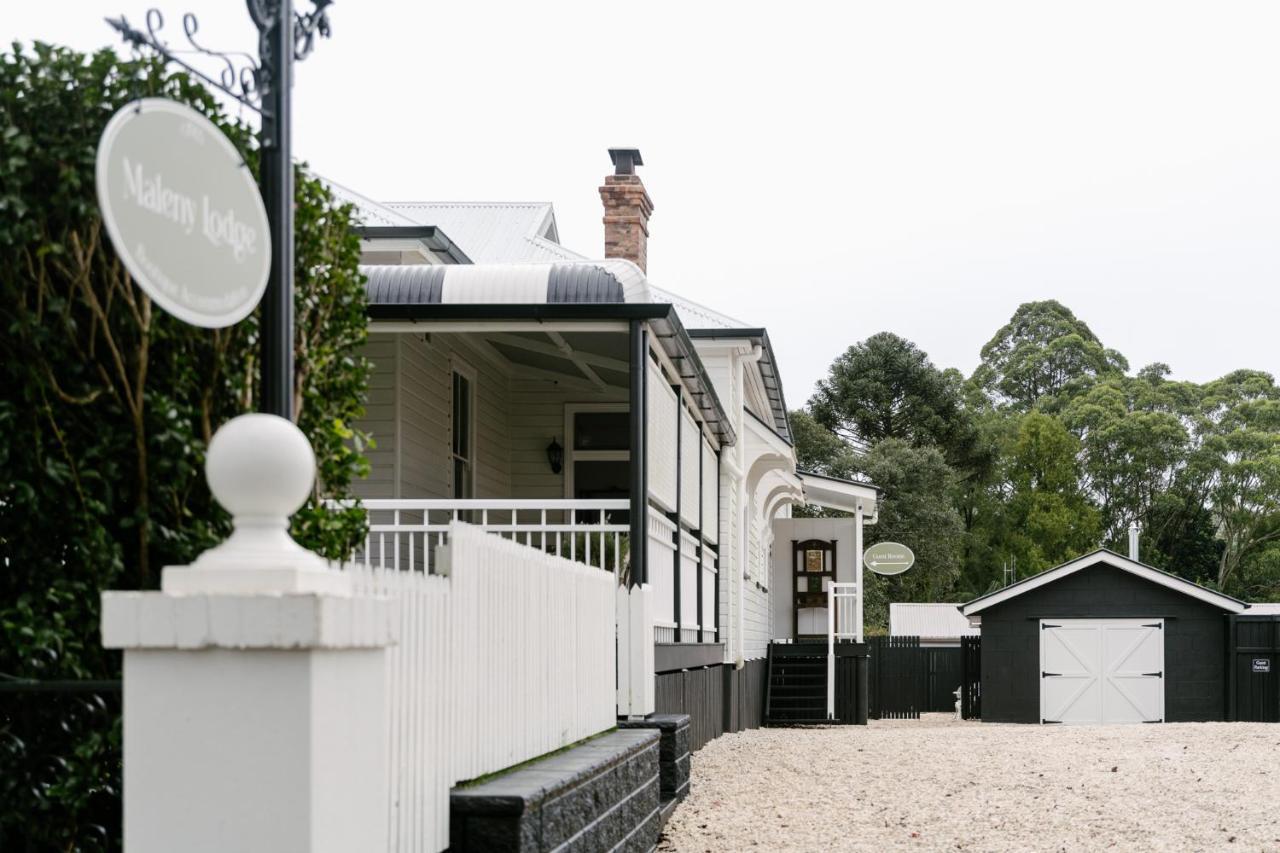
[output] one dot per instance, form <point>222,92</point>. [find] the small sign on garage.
<point>1262,664</point>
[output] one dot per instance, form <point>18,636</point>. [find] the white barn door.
<point>1101,670</point>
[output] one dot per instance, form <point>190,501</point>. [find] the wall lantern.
<point>555,455</point>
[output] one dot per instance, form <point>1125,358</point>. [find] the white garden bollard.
<point>255,680</point>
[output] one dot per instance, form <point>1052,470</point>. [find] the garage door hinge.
<point>1153,675</point>
<point>1044,625</point>
<point>1049,674</point>
<point>1049,722</point>
<point>1153,721</point>
<point>1154,625</point>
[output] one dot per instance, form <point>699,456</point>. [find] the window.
<point>463,423</point>
<point>599,443</point>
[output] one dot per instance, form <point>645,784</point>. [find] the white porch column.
<point>255,701</point>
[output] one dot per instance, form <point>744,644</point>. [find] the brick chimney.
<point>627,208</point>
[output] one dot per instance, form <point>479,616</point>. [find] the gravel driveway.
<point>939,784</point>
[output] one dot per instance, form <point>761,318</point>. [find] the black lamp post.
<point>267,87</point>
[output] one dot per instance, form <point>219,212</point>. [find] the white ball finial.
<point>260,465</point>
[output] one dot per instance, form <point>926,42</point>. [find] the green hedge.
<point>106,410</point>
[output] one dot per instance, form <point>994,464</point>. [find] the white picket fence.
<point>505,656</point>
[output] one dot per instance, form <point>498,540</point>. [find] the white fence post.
<point>255,682</point>
<point>636,682</point>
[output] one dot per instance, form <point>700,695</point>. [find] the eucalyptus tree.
<point>1136,436</point>
<point>1240,454</point>
<point>1042,354</point>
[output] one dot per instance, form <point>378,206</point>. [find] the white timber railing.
<point>404,533</point>
<point>662,575</point>
<point>505,654</point>
<point>844,622</point>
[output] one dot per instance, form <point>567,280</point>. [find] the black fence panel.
<point>60,770</point>
<point>971,678</point>
<point>943,665</point>
<point>1253,668</point>
<point>898,678</point>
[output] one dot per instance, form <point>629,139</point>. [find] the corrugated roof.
<point>929,621</point>
<point>1263,608</point>
<point>493,232</point>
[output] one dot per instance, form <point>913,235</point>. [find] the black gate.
<point>1253,668</point>
<point>943,667</point>
<point>898,678</point>
<point>971,678</point>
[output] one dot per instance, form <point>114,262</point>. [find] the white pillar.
<point>255,705</point>
<point>636,679</point>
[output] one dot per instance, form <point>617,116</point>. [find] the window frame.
<point>572,456</point>
<point>458,367</point>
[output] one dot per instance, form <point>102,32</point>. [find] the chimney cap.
<point>625,160</point>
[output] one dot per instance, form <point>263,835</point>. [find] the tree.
<point>1135,438</point>
<point>108,405</point>
<point>1043,352</point>
<point>820,450</point>
<point>915,509</point>
<point>1241,453</point>
<point>886,387</point>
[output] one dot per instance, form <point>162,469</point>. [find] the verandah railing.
<point>405,532</point>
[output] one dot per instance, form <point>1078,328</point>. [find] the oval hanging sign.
<point>888,558</point>
<point>183,212</point>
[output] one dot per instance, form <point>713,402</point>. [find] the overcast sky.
<point>831,171</point>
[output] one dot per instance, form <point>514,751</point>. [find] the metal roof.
<point>929,621</point>
<point>494,232</point>
<point>1106,557</point>
<point>429,236</point>
<point>1263,608</point>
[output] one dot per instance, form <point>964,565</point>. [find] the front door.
<point>813,571</point>
<point>1101,670</point>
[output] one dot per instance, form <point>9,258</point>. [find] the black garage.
<point>1103,639</point>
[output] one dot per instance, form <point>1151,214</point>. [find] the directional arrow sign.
<point>888,558</point>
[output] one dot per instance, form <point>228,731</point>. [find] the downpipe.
<point>740,655</point>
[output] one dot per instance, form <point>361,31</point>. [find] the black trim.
<point>520,311</point>
<point>674,517</point>
<point>768,370</point>
<point>668,657</point>
<point>639,349</point>
<point>435,239</point>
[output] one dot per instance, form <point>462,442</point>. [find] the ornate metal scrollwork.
<point>239,75</point>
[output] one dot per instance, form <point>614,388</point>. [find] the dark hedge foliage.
<point>106,410</point>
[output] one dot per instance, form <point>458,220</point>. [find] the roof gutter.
<point>768,366</point>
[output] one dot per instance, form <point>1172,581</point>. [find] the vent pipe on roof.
<point>1133,542</point>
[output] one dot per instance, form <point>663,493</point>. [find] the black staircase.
<point>796,692</point>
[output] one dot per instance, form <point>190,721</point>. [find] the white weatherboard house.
<point>581,555</point>
<point>572,405</point>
